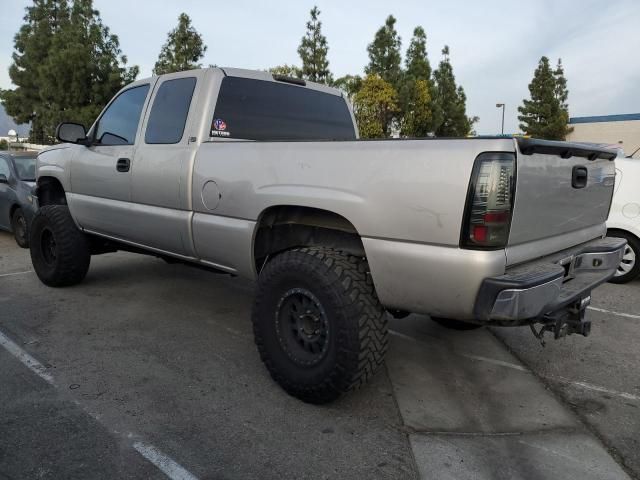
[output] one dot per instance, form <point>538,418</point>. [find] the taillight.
<point>489,202</point>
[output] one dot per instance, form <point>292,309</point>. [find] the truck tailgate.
<point>563,192</point>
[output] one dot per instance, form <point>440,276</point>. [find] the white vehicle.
<point>624,218</point>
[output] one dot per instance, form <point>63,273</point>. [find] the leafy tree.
<point>418,117</point>
<point>451,101</point>
<point>313,51</point>
<point>349,84</point>
<point>546,114</point>
<point>66,66</point>
<point>418,90</point>
<point>32,45</point>
<point>373,104</point>
<point>182,50</point>
<point>286,70</point>
<point>384,54</point>
<point>4,145</point>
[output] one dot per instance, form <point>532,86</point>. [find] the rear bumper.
<point>526,293</point>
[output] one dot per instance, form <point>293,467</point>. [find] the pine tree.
<point>313,51</point>
<point>83,70</point>
<point>418,115</point>
<point>32,45</point>
<point>182,50</point>
<point>373,104</point>
<point>67,66</point>
<point>418,90</point>
<point>384,54</point>
<point>451,101</point>
<point>546,114</point>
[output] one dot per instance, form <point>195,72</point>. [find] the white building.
<point>621,130</point>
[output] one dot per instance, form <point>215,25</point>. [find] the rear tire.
<point>318,324</point>
<point>629,267</point>
<point>452,324</point>
<point>59,251</point>
<point>20,229</point>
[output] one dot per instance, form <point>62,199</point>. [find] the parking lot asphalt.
<point>148,370</point>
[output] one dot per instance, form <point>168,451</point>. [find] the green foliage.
<point>4,145</point>
<point>420,112</point>
<point>183,49</point>
<point>286,70</point>
<point>384,54</point>
<point>546,114</point>
<point>66,65</point>
<point>313,51</point>
<point>349,84</point>
<point>418,116</point>
<point>373,104</point>
<point>451,101</point>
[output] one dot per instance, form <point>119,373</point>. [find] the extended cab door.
<point>162,166</point>
<point>101,173</point>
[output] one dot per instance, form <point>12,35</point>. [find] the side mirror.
<point>71,133</point>
<point>3,178</point>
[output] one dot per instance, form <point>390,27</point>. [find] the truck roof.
<point>258,75</point>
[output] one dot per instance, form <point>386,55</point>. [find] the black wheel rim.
<point>302,327</point>
<point>21,228</point>
<point>48,246</point>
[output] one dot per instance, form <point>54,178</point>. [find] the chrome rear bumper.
<point>526,293</point>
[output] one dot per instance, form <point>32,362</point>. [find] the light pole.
<point>501,105</point>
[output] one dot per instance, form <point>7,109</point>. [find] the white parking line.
<point>170,468</point>
<point>493,361</point>
<point>596,388</point>
<point>15,273</point>
<point>30,362</point>
<point>626,315</point>
<point>566,381</point>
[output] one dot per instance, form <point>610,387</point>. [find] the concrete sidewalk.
<point>473,411</point>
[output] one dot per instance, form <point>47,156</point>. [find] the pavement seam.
<point>403,427</point>
<point>611,450</point>
<point>541,432</point>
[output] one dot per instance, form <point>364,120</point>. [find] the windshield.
<point>26,167</point>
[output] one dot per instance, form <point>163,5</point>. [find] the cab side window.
<point>119,123</point>
<point>168,115</point>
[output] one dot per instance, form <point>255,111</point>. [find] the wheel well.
<point>50,192</point>
<point>622,230</point>
<point>283,227</point>
<point>13,208</point>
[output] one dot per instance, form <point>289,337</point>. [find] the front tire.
<point>318,324</point>
<point>20,229</point>
<point>629,266</point>
<point>59,251</point>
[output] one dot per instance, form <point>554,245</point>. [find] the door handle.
<point>579,177</point>
<point>123,165</point>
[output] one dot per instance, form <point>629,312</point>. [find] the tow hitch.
<point>565,321</point>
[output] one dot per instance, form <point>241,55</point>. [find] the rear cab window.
<point>252,109</point>
<point>169,112</point>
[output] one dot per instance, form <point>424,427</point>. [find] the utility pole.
<point>501,105</point>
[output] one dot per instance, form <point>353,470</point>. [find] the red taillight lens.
<point>490,202</point>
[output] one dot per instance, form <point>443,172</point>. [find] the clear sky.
<point>495,45</point>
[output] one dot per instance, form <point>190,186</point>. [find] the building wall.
<point>626,134</point>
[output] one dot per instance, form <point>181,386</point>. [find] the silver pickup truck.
<point>264,177</point>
